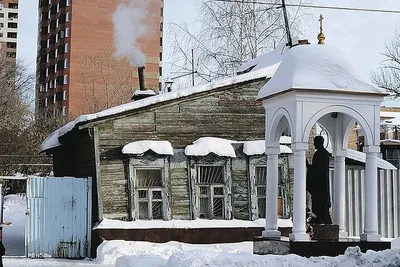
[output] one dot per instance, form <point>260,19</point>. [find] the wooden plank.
<point>138,118</point>
<point>98,173</point>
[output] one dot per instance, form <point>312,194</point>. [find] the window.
<point>393,156</point>
<point>48,28</point>
<point>160,56</point>
<point>61,34</point>
<point>64,110</point>
<point>12,35</point>
<point>54,98</point>
<point>56,38</point>
<point>68,2</point>
<point>56,53</point>
<point>47,72</point>
<point>47,57</point>
<point>148,180</point>
<point>260,182</point>
<point>51,85</point>
<point>64,95</point>
<point>55,68</point>
<point>257,184</point>
<point>210,187</point>
<point>210,190</point>
<point>67,16</point>
<point>66,47</point>
<point>65,63</point>
<point>57,23</point>
<point>1,6</point>
<point>49,14</point>
<point>1,14</point>
<point>67,32</point>
<point>149,192</point>
<point>1,25</point>
<point>55,83</point>
<point>48,43</point>
<point>58,8</point>
<point>65,79</point>
<point>47,86</point>
<point>45,102</point>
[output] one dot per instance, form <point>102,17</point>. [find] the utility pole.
<point>286,24</point>
<point>192,68</point>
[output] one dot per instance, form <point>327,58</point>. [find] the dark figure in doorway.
<point>318,183</point>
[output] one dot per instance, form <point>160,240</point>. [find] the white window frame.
<point>50,84</point>
<point>64,95</point>
<point>47,57</point>
<point>45,102</point>
<point>65,79</point>
<point>55,83</point>
<point>46,87</point>
<point>55,68</point>
<point>57,23</point>
<point>57,38</point>
<point>65,63</point>
<point>64,111</point>
<point>66,32</point>
<point>58,8</point>
<point>56,53</point>
<point>68,2</point>
<point>54,98</point>
<point>66,48</point>
<point>210,160</point>
<point>149,162</point>
<point>67,16</point>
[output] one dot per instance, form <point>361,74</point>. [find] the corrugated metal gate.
<point>58,220</point>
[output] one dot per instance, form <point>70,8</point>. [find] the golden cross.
<point>320,22</point>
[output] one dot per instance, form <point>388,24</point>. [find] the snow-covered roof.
<point>257,147</point>
<point>362,157</point>
<point>144,92</point>
<point>271,59</point>
<point>391,122</point>
<point>206,145</point>
<point>52,140</point>
<point>390,141</point>
<point>140,147</point>
<point>317,67</point>
<point>389,114</point>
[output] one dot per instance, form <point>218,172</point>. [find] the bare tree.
<point>21,132</point>
<point>388,75</point>
<point>103,86</point>
<point>231,33</point>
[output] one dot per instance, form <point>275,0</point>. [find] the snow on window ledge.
<point>140,147</point>
<point>206,145</point>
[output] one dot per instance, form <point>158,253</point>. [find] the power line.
<point>312,6</point>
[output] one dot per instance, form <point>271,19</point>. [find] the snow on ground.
<point>175,254</point>
<point>14,235</point>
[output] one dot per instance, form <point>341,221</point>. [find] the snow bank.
<point>206,145</point>
<point>109,251</point>
<point>174,254</point>
<point>187,224</point>
<point>317,67</point>
<point>139,147</point>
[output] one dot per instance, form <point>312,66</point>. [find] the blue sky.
<point>362,35</point>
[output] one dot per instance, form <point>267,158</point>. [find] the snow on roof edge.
<point>50,141</point>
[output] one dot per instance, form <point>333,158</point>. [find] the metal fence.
<point>388,202</point>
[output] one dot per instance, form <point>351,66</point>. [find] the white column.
<point>371,195</point>
<point>339,199</point>
<point>299,205</point>
<point>271,220</point>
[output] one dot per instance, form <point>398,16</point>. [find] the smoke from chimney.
<point>129,26</point>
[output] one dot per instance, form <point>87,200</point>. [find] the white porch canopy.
<point>317,83</point>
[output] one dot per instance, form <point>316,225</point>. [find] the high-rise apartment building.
<point>8,27</point>
<point>77,71</point>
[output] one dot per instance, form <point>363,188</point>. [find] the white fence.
<point>388,202</point>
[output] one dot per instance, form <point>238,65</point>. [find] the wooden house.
<point>161,179</point>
